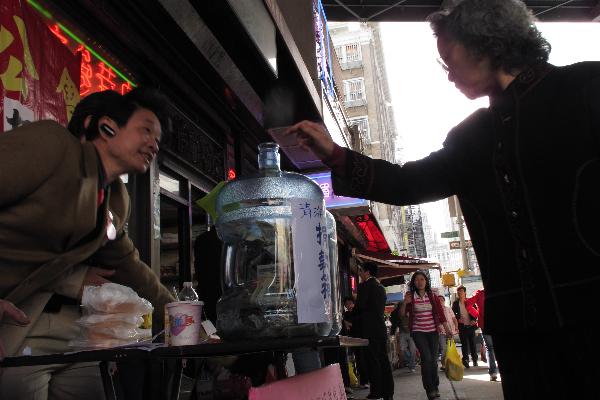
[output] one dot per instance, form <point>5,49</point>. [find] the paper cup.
<point>184,322</point>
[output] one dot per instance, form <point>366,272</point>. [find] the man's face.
<point>135,145</point>
<point>349,305</point>
<point>461,294</point>
<point>364,275</point>
<point>472,76</point>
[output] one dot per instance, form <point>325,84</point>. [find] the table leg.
<point>108,381</point>
<point>179,364</point>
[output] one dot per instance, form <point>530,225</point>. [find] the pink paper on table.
<point>322,384</point>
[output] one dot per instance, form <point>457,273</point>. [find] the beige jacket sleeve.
<point>70,282</point>
<point>122,256</point>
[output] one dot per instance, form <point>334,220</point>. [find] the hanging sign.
<point>39,77</point>
<point>311,261</point>
<point>332,200</point>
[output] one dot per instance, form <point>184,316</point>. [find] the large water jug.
<point>275,265</point>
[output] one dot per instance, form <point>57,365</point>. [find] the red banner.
<point>39,76</point>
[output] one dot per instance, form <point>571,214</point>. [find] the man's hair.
<point>461,287</point>
<point>503,30</point>
<point>119,108</point>
<point>348,298</point>
<point>371,267</point>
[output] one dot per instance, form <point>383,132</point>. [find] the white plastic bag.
<point>112,317</point>
<point>115,299</point>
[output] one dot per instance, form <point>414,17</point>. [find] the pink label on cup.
<point>179,322</point>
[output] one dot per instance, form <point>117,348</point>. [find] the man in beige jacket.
<point>63,210</point>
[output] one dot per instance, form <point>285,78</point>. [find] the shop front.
<point>231,70</point>
<point>221,67</point>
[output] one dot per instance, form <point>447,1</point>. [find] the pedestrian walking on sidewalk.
<point>407,350</point>
<point>467,315</point>
<point>453,325</point>
<point>425,313</point>
<point>478,299</point>
<point>534,150</point>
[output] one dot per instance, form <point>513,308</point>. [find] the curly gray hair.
<point>503,30</point>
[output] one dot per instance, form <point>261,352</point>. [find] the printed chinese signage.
<point>311,261</point>
<point>331,199</point>
<point>39,77</point>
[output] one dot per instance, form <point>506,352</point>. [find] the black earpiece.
<point>108,130</point>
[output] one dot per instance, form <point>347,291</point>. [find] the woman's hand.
<point>313,137</point>
<point>408,298</point>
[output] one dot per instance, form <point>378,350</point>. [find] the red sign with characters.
<point>39,76</point>
<point>96,76</point>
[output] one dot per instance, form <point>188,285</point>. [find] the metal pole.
<point>461,234</point>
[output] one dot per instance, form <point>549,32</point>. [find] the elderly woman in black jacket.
<point>526,172</point>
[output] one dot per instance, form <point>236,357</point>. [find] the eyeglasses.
<point>445,67</point>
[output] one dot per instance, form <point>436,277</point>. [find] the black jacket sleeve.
<point>434,177</point>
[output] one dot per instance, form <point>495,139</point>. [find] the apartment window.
<point>354,89</point>
<point>348,53</point>
<point>363,127</point>
<point>352,52</point>
<point>339,52</point>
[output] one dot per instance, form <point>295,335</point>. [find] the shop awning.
<point>392,267</point>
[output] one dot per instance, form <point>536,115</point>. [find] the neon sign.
<point>97,74</point>
<point>331,199</point>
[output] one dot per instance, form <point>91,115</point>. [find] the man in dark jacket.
<point>370,305</point>
<point>526,172</point>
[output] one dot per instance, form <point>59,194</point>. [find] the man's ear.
<point>107,127</point>
<point>87,121</point>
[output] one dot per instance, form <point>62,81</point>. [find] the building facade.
<point>368,105</point>
<point>410,230</point>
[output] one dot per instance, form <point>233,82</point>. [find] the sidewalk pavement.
<point>475,385</point>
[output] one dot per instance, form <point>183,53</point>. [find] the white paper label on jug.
<point>311,260</point>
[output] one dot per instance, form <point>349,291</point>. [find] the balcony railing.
<point>355,103</point>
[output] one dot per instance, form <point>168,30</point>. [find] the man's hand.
<point>314,137</point>
<point>95,277</point>
<point>8,311</point>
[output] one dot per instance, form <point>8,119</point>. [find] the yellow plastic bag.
<point>353,378</point>
<point>453,364</point>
